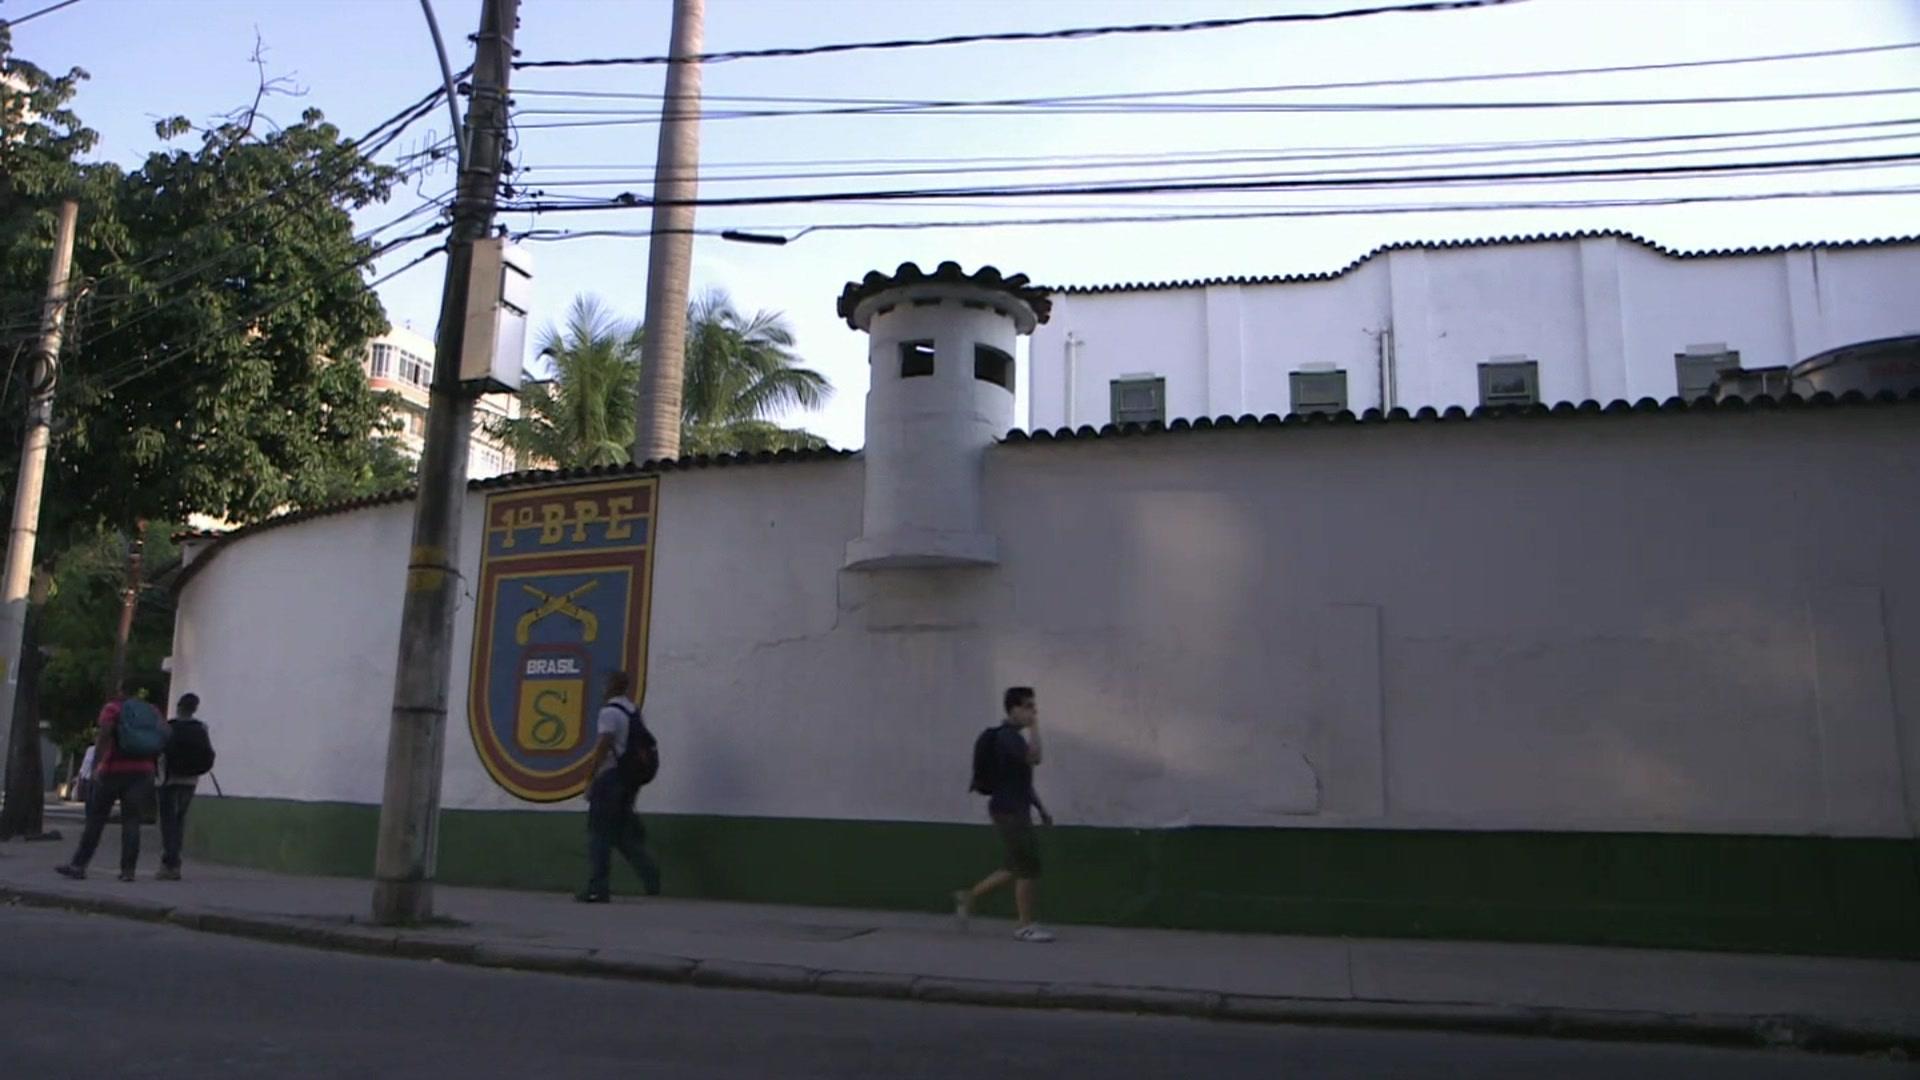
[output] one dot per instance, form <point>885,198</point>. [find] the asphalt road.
<point>94,996</point>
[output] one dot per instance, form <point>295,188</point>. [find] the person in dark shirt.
<point>1011,804</point>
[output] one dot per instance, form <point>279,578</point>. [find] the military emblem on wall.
<point>565,584</point>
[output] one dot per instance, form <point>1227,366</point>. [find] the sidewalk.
<point>1816,1002</point>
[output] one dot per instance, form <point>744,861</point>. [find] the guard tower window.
<point>916,359</point>
<point>992,365</point>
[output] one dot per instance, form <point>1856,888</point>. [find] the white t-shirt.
<point>613,721</point>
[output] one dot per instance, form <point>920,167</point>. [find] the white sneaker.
<point>1033,932</point>
<point>962,909</point>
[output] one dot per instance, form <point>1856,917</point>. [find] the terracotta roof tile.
<point>987,277</point>
<point>1429,414</point>
<point>1489,241</point>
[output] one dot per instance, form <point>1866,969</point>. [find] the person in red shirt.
<point>117,778</point>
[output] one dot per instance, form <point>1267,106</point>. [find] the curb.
<point>1733,1030</point>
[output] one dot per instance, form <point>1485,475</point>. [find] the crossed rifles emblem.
<point>559,604</point>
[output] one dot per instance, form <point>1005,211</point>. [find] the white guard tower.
<point>940,347</point>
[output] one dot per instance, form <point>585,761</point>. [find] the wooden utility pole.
<point>17,578</point>
<point>129,606</point>
<point>416,741</point>
<point>676,182</point>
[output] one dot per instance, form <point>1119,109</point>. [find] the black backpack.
<point>639,760</point>
<point>986,761</point>
<point>189,750</point>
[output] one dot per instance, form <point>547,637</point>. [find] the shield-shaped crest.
<point>565,583</point>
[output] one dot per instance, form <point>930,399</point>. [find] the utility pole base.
<point>397,903</point>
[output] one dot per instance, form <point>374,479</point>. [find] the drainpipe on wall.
<point>1072,350</point>
<point>1387,392</point>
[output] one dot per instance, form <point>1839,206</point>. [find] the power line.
<point>1072,34</point>
<point>403,118</point>
<point>1155,162</point>
<point>552,235</point>
<point>634,118</point>
<point>1115,159</point>
<point>32,15</point>
<point>1138,95</point>
<point>114,307</point>
<point>410,264</point>
<point>111,379</point>
<point>145,293</point>
<point>627,200</point>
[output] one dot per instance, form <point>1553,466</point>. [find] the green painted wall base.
<point>1762,893</point>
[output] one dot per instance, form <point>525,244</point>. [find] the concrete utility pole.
<point>25,532</point>
<point>676,167</point>
<point>416,741</point>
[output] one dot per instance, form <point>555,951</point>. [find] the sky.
<point>360,61</point>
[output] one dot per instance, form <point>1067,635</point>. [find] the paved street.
<point>216,1007</point>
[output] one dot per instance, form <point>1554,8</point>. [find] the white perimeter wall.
<point>1671,623</point>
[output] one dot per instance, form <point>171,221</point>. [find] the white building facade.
<point>1559,318</point>
<point>401,361</point>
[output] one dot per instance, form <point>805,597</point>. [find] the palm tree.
<point>741,373</point>
<point>583,414</point>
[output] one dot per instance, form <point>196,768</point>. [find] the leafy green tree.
<point>212,361</point>
<point>384,468</point>
<point>583,414</point>
<point>741,372</point>
<point>79,622</point>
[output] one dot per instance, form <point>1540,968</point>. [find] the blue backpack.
<point>140,733</point>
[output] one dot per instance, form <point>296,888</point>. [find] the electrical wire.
<point>552,235</point>
<point>1040,161</point>
<point>403,118</point>
<point>633,118</point>
<point>628,200</point>
<point>32,15</point>
<point>111,379</point>
<point>180,274</point>
<point>1261,159</point>
<point>1072,34</point>
<point>114,307</point>
<point>1358,84</point>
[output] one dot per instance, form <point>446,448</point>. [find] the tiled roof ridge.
<point>1472,242</point>
<point>1018,286</point>
<point>1430,414</point>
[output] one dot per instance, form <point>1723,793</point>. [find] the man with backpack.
<point>1003,761</point>
<point>189,756</point>
<point>132,737</point>
<point>625,759</point>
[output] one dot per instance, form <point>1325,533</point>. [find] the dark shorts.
<point>1023,847</point>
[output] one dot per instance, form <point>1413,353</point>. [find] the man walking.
<point>131,737</point>
<point>189,755</point>
<point>1004,758</point>
<point>624,758</point>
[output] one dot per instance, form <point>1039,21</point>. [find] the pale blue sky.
<point>361,60</point>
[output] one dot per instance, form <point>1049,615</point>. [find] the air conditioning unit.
<point>499,296</point>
